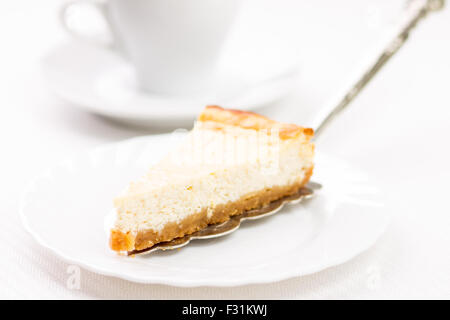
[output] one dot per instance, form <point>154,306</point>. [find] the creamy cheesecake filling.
<point>214,173</point>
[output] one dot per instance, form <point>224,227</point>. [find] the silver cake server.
<point>414,12</point>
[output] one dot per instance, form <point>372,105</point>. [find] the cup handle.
<point>100,6</point>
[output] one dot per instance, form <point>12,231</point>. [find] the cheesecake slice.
<point>230,162</point>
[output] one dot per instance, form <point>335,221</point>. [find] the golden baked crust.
<point>120,241</point>
<point>250,120</point>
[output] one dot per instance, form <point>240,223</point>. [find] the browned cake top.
<point>250,120</point>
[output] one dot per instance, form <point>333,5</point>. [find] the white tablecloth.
<point>398,129</point>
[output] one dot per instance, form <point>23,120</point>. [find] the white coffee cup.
<point>174,45</point>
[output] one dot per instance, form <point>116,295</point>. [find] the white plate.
<point>100,81</point>
<point>64,210</point>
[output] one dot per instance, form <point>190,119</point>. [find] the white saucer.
<point>102,82</point>
<point>64,210</point>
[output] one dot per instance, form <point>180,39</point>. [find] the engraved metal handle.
<point>414,12</point>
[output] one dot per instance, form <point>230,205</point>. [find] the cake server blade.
<point>227,227</point>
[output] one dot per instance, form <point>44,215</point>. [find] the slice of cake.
<point>230,162</point>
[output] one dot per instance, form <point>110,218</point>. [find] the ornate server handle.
<point>414,12</point>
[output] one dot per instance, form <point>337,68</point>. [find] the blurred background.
<point>398,129</point>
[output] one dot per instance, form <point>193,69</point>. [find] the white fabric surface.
<point>398,129</point>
